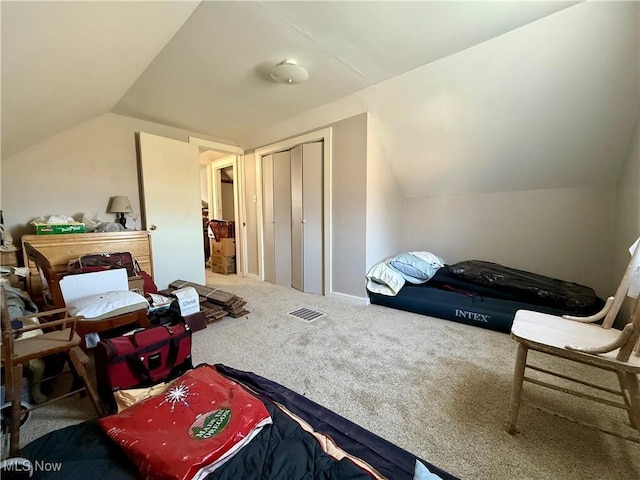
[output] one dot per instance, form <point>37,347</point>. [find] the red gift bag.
<point>197,424</point>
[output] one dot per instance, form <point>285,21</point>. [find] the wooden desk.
<point>61,248</point>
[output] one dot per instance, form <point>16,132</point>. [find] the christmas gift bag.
<point>198,423</point>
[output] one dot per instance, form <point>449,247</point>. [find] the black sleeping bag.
<point>282,450</point>
<point>497,281</point>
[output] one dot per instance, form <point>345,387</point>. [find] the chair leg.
<point>516,389</point>
<point>14,394</point>
<point>78,366</point>
<point>631,391</point>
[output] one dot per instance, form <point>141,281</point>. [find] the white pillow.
<point>421,472</point>
<point>383,279</point>
<point>106,305</point>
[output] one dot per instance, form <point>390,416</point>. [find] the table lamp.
<point>120,204</point>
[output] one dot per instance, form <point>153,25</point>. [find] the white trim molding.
<point>351,298</point>
<point>221,147</point>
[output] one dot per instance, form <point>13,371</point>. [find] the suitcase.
<point>142,359</point>
<point>95,262</point>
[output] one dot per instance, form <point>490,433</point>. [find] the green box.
<point>53,228</point>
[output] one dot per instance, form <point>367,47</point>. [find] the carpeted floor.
<point>436,388</point>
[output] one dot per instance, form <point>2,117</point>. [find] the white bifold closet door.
<point>277,206</point>
<point>306,218</point>
<point>293,232</point>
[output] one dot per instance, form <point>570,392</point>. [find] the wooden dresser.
<point>61,248</point>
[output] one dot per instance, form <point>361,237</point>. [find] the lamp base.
<point>122,220</point>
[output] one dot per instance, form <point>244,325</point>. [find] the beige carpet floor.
<point>434,387</point>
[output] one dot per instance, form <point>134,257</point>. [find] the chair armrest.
<point>43,314</point>
<point>595,317</point>
<point>48,325</point>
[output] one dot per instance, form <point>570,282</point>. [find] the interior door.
<point>282,217</point>
<point>171,208</point>
<point>269,223</point>
<point>312,220</point>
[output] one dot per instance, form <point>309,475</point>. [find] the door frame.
<point>215,171</point>
<point>324,135</point>
<point>235,160</point>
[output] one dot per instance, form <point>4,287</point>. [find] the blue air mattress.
<point>486,312</point>
<point>451,297</point>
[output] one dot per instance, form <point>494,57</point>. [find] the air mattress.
<point>491,306</point>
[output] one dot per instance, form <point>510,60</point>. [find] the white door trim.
<point>324,135</point>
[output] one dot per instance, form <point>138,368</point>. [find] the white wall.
<point>349,198</point>
<point>627,214</point>
<point>385,203</point>
<point>77,171</point>
<point>562,233</point>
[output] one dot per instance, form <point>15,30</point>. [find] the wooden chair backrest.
<point>51,292</point>
<point>623,289</point>
<point>7,333</point>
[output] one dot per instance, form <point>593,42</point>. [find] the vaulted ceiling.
<point>464,96</point>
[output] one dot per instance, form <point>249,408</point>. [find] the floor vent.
<point>307,314</point>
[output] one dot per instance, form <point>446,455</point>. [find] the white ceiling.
<point>465,96</point>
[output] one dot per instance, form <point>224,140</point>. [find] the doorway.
<point>221,170</point>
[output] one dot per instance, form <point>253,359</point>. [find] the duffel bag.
<point>142,359</point>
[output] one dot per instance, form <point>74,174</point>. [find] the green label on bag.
<point>210,424</point>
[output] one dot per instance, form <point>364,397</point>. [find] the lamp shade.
<point>120,204</point>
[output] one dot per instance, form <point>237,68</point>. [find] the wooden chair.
<point>54,299</point>
<point>580,340</point>
<point>62,339</point>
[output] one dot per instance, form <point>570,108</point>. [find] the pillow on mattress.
<point>417,269</point>
<point>384,280</point>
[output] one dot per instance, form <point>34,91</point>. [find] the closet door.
<point>306,218</point>
<point>312,220</point>
<point>282,217</point>
<point>297,219</point>
<point>269,223</point>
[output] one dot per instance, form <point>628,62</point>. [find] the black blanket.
<point>282,450</point>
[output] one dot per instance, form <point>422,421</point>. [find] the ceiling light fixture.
<point>288,71</point>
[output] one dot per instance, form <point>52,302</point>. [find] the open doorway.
<point>221,196</point>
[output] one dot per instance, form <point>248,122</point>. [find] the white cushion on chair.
<point>107,305</point>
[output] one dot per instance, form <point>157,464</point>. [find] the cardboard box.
<point>225,247</point>
<point>136,283</point>
<point>53,228</point>
<point>222,264</point>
